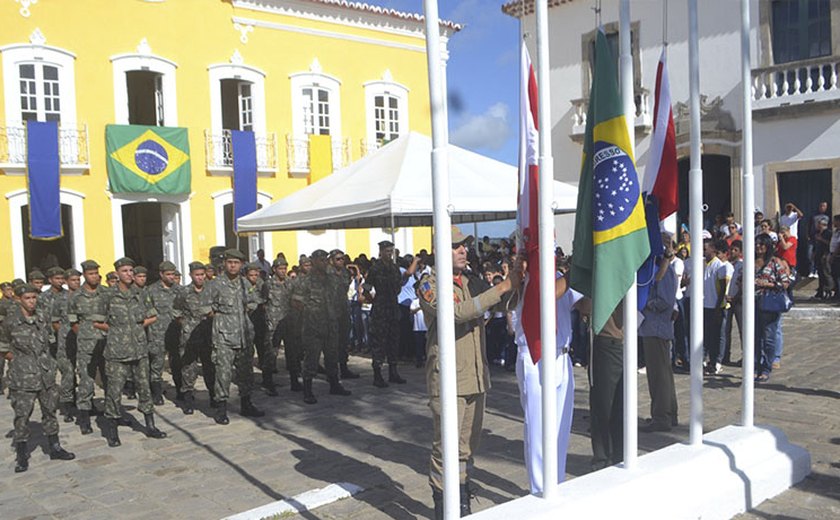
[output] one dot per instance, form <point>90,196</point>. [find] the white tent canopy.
<point>393,186</point>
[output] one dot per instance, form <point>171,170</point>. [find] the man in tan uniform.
<point>471,357</point>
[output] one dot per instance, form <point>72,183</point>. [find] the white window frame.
<point>19,198</point>
<point>123,63</point>
<point>225,197</point>
<point>385,87</point>
<point>239,72</point>
<point>316,80</point>
<point>20,54</point>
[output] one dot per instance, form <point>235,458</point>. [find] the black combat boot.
<point>189,403</point>
<point>308,396</point>
<point>157,393</point>
<point>221,413</point>
<point>57,452</point>
<point>346,373</point>
<point>295,382</point>
<point>111,433</point>
<point>268,384</point>
<point>437,496</point>
<point>336,388</point>
<point>466,496</point>
<point>393,375</point>
<point>129,391</point>
<point>151,429</point>
<point>247,408</point>
<point>83,420</point>
<point>66,409</point>
<point>378,380</point>
<point>22,460</point>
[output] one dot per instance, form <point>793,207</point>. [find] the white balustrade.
<point>218,148</point>
<point>73,149</point>
<point>297,154</point>
<point>643,115</point>
<point>796,83</point>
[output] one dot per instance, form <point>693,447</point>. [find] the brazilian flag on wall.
<point>147,159</point>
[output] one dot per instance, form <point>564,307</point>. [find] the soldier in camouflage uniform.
<point>293,341</point>
<point>276,294</point>
<point>314,295</point>
<point>24,338</point>
<point>256,312</point>
<point>342,277</point>
<point>65,344</point>
<point>7,303</point>
<point>55,275</point>
<point>127,315</point>
<point>192,309</point>
<point>141,275</point>
<point>163,333</point>
<point>233,335</point>
<point>86,306</point>
<point>37,279</point>
<point>386,279</point>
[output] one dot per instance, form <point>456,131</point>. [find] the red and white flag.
<point>528,239</point>
<point>661,170</point>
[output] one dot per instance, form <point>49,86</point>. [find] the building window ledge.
<point>643,121</point>
<point>796,84</point>
<point>219,153</point>
<point>73,150</point>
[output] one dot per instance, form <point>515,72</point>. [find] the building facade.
<point>795,54</point>
<point>319,82</point>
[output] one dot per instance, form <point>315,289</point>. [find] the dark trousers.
<point>660,379</point>
<point>406,333</point>
<point>712,319</point>
<point>419,346</point>
<point>606,402</point>
<point>496,332</point>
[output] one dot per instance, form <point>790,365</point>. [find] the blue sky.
<point>482,75</point>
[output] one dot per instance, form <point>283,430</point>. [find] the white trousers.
<point>530,395</point>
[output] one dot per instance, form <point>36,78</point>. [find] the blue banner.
<point>647,272</point>
<point>244,174</point>
<point>42,175</point>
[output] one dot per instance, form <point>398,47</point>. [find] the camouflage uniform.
<point>84,308</point>
<point>293,340</point>
<point>65,347</point>
<point>163,336</point>
<point>233,334</point>
<point>385,314</point>
<point>341,279</point>
<point>32,373</point>
<point>255,303</point>
<point>314,294</point>
<point>192,307</point>
<point>276,295</point>
<point>6,306</point>
<point>127,350</point>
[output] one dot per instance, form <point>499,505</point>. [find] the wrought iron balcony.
<point>340,153</point>
<point>796,83</point>
<point>73,150</point>
<point>643,121</point>
<point>218,148</point>
<point>297,155</point>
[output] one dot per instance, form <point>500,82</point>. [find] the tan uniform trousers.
<point>470,421</point>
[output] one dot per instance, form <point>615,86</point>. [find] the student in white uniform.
<point>530,387</point>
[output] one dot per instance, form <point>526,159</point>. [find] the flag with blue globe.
<point>148,159</point>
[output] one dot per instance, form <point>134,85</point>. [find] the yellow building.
<point>319,82</point>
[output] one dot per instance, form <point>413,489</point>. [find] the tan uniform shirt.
<point>470,342</point>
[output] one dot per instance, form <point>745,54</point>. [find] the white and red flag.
<point>661,171</point>
<point>527,212</point>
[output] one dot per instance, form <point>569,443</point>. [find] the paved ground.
<point>378,439</point>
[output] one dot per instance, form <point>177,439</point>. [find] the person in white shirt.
<point>530,387</point>
<point>715,283</point>
<point>680,354</point>
<point>735,300</point>
<point>790,218</point>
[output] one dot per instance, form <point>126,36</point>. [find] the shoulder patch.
<point>425,290</point>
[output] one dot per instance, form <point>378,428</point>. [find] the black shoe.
<point>308,396</point>
<point>214,403</point>
<point>151,429</point>
<point>221,413</point>
<point>83,420</point>
<point>336,388</point>
<point>66,409</point>
<point>179,396</point>
<point>247,408</point>
<point>378,380</point>
<point>128,390</point>
<point>268,384</point>
<point>466,496</point>
<point>157,393</point>
<point>653,426</point>
<point>295,383</point>
<point>124,421</point>
<point>394,375</point>
<point>188,406</point>
<point>112,434</point>
<point>346,373</point>
<point>22,459</point>
<point>57,452</point>
<point>437,496</point>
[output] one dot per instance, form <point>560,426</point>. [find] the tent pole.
<point>394,233</point>
<point>445,318</point>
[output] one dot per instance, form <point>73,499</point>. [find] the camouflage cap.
<point>252,266</point>
<point>318,254</point>
<point>336,252</point>
<point>36,275</point>
<point>55,271</point>
<point>177,272</point>
<point>234,254</point>
<point>17,282</point>
<point>166,265</point>
<point>385,243</point>
<point>280,260</point>
<point>89,265</point>
<point>5,285</point>
<point>209,267</point>
<point>197,266</point>
<point>72,272</point>
<point>304,260</point>
<point>139,269</point>
<point>121,262</point>
<point>22,289</point>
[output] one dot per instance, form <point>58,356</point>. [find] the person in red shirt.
<point>786,248</point>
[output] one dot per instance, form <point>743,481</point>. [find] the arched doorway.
<point>717,188</point>
<point>43,254</point>
<point>152,234</point>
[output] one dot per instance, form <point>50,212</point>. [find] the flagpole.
<point>695,176</point>
<point>443,244</point>
<point>748,189</point>
<point>631,319</point>
<point>548,311</point>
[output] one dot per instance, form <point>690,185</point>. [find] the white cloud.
<point>489,130</point>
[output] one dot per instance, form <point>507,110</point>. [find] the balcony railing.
<point>369,146</point>
<point>297,155</point>
<point>796,83</point>
<point>218,147</point>
<point>340,153</point>
<point>642,122</point>
<point>73,149</point>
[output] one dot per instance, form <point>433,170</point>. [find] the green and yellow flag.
<point>147,159</point>
<point>611,241</point>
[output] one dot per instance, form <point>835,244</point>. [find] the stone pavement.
<point>379,440</point>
